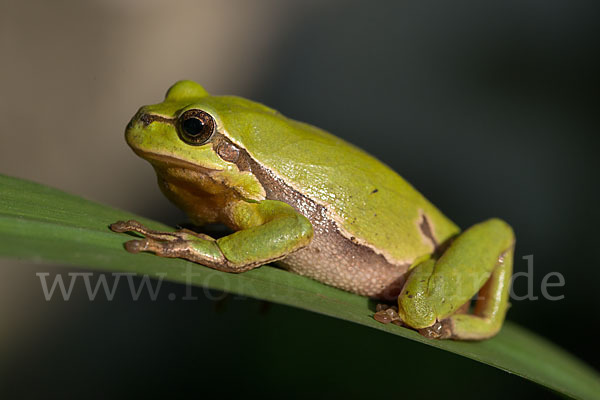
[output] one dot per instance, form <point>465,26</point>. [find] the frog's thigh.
<point>479,261</point>
<point>270,230</point>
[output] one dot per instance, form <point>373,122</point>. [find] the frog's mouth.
<point>164,161</point>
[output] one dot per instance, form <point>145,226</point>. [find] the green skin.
<point>368,204</point>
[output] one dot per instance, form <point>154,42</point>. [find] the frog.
<point>307,201</point>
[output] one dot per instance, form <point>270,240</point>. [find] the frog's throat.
<point>203,194</point>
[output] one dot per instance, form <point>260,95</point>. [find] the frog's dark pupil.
<point>193,126</point>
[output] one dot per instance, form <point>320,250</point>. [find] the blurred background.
<point>488,108</point>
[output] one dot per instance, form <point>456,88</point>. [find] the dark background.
<point>488,108</point>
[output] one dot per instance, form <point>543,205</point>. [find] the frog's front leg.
<point>479,261</point>
<point>269,231</point>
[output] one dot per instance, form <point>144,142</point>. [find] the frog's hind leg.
<point>479,261</point>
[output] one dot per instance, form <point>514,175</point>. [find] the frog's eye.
<point>195,127</point>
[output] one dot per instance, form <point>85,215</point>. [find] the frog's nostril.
<point>146,119</point>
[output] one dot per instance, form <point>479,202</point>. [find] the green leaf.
<point>44,224</point>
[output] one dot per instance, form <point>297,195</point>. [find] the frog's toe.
<point>386,314</point>
<point>136,246</point>
<point>134,226</point>
<point>440,330</point>
<point>120,226</point>
<point>176,247</point>
<point>130,226</point>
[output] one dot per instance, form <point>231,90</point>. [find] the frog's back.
<point>369,202</point>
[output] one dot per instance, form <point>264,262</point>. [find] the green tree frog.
<point>319,207</point>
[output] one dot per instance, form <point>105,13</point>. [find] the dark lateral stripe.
<point>147,119</point>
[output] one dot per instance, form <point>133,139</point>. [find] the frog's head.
<point>186,141</point>
<point>177,131</point>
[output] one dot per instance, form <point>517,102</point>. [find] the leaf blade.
<point>43,224</point>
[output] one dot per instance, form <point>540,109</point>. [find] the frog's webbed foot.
<point>166,244</point>
<point>183,243</point>
<point>387,314</point>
